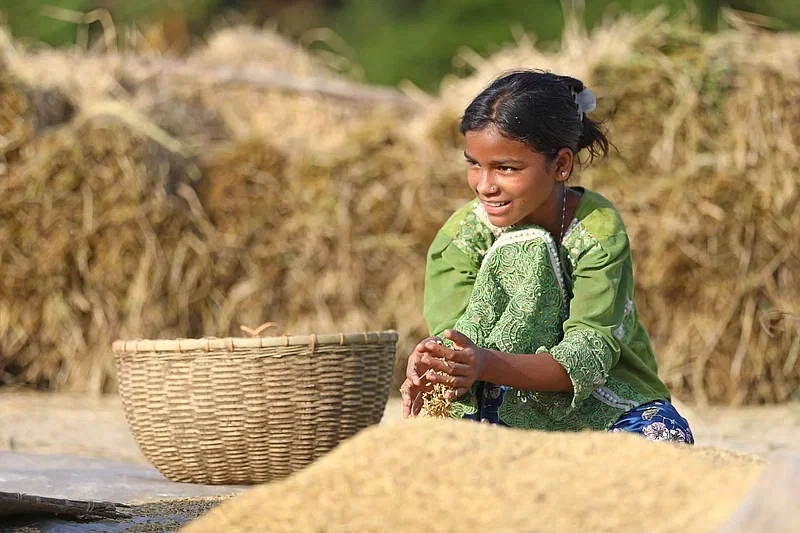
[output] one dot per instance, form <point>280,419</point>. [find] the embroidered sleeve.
<point>454,259</point>
<point>587,358</point>
<point>518,297</point>
<point>602,285</point>
<point>476,234</point>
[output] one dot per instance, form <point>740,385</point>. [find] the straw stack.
<point>25,110</point>
<point>711,196</point>
<point>281,192</point>
<point>92,221</point>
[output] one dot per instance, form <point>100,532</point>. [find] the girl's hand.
<point>416,379</point>
<point>462,366</point>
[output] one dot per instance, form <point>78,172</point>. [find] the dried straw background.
<point>141,203</point>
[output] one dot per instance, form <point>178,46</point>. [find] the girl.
<point>531,284</point>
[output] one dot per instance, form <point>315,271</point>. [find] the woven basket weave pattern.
<point>231,412</point>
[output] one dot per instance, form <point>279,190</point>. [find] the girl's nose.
<point>486,185</point>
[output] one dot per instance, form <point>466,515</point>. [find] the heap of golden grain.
<point>464,476</point>
<point>154,197</point>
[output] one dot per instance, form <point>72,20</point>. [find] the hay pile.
<point>311,202</point>
<point>25,111</point>
<point>80,199</point>
<point>718,177</point>
<point>175,207</point>
<point>433,475</point>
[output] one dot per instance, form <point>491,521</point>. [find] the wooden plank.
<point>12,503</point>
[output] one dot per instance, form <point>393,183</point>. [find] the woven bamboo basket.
<point>250,410</point>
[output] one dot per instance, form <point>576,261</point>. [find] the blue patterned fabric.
<point>490,398</point>
<point>657,420</point>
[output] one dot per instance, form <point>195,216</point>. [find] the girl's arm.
<point>449,278</point>
<point>469,363</point>
<point>452,265</point>
<point>534,372</point>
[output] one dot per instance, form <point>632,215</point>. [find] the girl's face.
<point>516,184</point>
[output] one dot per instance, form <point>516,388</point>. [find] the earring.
<point>564,173</point>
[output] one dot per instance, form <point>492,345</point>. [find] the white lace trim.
<point>612,399</point>
<point>576,227</point>
<point>570,229</point>
<point>483,216</point>
<point>619,333</point>
<point>529,234</point>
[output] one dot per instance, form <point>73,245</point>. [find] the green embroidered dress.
<point>507,289</point>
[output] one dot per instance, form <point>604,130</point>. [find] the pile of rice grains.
<point>436,475</point>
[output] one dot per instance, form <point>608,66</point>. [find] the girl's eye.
<point>506,169</point>
<point>472,163</point>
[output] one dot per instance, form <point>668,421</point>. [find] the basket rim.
<point>230,344</point>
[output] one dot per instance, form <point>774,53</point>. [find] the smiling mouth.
<point>496,204</point>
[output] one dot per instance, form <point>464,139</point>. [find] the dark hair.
<point>539,109</point>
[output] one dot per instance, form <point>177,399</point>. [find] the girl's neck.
<point>552,214</point>
<point>573,200</point>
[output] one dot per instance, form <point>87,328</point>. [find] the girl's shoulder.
<point>471,213</point>
<point>469,230</point>
<point>451,227</point>
<point>597,225</point>
<point>599,216</point>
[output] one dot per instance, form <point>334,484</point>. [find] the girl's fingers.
<point>454,382</point>
<point>422,347</point>
<point>435,349</point>
<point>406,395</point>
<point>456,393</point>
<point>412,395</point>
<point>439,365</point>
<point>416,406</point>
<point>443,352</point>
<point>412,368</point>
<point>459,339</point>
<point>434,339</point>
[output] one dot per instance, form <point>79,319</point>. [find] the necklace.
<point>563,217</point>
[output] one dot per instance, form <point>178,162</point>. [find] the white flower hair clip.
<point>586,101</point>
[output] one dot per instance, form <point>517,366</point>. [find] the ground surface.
<point>156,517</point>
<point>96,427</point>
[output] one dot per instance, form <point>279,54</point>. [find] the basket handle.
<point>259,329</point>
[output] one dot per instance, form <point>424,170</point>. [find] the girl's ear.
<point>563,164</point>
